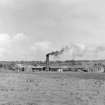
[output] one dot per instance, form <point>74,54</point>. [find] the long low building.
<point>96,68</point>
<point>60,68</point>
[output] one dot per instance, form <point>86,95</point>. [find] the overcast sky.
<point>31,28</point>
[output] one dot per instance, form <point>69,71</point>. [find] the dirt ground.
<point>52,89</point>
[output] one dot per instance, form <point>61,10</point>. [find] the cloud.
<point>71,1</point>
<point>4,40</point>
<point>98,52</point>
<point>6,2</point>
<point>100,49</point>
<point>12,46</point>
<point>20,47</point>
<point>42,46</point>
<point>19,36</point>
<point>92,52</point>
<point>78,51</point>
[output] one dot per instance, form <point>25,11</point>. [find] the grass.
<point>44,88</point>
<point>81,75</point>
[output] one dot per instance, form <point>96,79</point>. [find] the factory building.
<point>96,68</point>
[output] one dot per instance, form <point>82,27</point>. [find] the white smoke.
<point>77,50</point>
<point>72,51</point>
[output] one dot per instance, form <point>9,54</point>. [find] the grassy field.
<point>52,88</point>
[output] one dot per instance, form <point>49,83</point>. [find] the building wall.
<point>96,68</point>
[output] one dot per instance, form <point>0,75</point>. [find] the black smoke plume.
<point>57,53</point>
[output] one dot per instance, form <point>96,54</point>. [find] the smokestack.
<point>54,53</point>
<point>47,62</point>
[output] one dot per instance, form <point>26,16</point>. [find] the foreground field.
<point>52,89</point>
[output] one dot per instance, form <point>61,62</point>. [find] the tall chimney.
<point>47,62</point>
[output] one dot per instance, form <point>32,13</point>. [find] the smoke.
<point>100,49</point>
<point>77,50</point>
<point>73,50</point>
<point>57,53</point>
<point>80,51</point>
